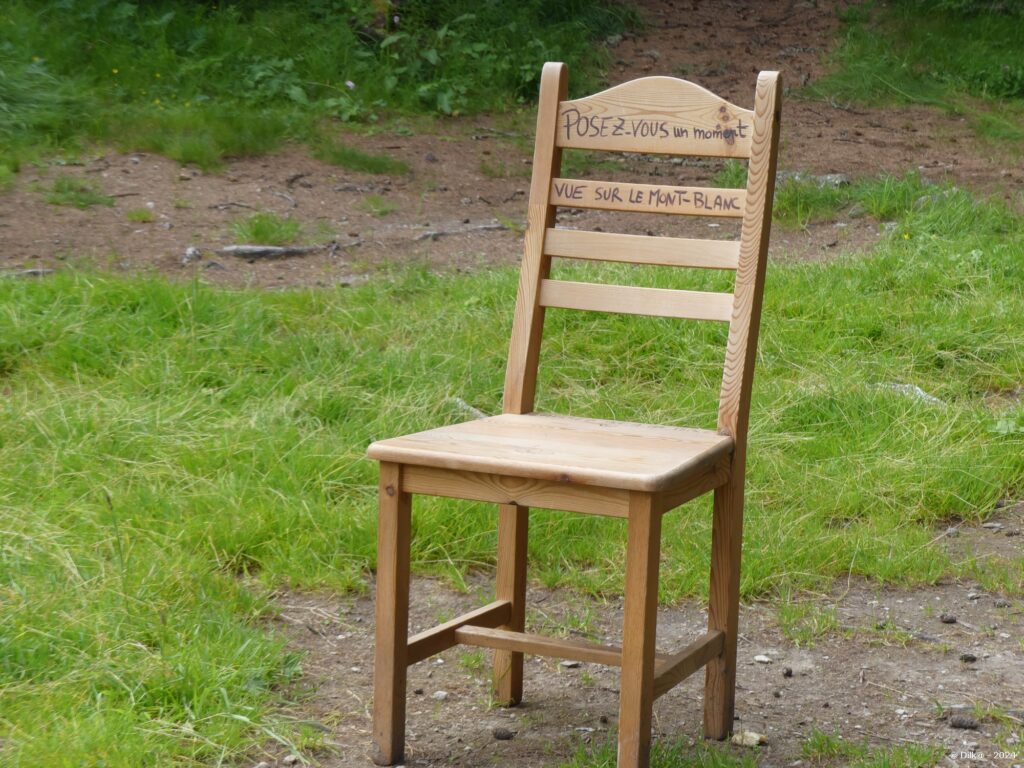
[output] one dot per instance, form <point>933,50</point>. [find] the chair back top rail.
<point>659,115</point>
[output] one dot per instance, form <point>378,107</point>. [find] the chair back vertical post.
<point>741,349</point>
<point>528,322</point>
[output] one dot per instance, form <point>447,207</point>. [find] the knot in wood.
<point>389,490</point>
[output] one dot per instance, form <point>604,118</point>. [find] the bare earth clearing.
<point>459,208</point>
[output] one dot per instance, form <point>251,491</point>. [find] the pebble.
<point>569,664</point>
<point>1001,603</point>
<point>762,659</point>
<point>440,695</point>
<point>749,739</point>
<point>263,764</point>
<point>503,734</point>
<point>290,759</point>
<point>973,595</point>
<point>964,722</point>
<point>787,671</point>
<point>992,526</point>
<point>947,618</point>
<point>952,531</point>
<point>418,691</point>
<point>968,658</point>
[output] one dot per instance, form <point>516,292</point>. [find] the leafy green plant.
<point>266,229</point>
<point>199,82</point>
<point>76,192</point>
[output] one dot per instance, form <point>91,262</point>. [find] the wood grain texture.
<point>648,198</point>
<point>563,449</point>
<point>656,114</point>
<point>642,249</point>
<point>741,348</point>
<point>539,645</point>
<point>631,300</point>
<point>528,321</point>
<point>723,608</point>
<point>442,637</point>
<point>392,618</point>
<point>509,489</point>
<point>510,584</point>
<point>734,405</point>
<point>672,671</point>
<point>640,622</point>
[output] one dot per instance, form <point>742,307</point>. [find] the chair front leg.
<point>640,624</point>
<point>513,526</point>
<point>723,607</point>
<point>392,617</point>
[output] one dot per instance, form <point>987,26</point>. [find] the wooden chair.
<point>523,459</point>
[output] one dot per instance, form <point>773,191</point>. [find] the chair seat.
<point>611,454</point>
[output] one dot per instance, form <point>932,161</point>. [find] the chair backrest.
<point>661,115</point>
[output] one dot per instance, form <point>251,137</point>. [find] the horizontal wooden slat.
<point>440,638</point>
<point>657,302</point>
<point>671,671</point>
<point>577,650</point>
<point>526,492</point>
<point>642,249</point>
<point>648,198</point>
<point>656,114</point>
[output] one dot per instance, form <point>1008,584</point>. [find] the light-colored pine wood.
<point>528,320</point>
<point>509,489</point>
<point>734,406</point>
<point>510,584</point>
<point>563,449</point>
<point>639,627</point>
<point>522,459</point>
<point>630,300</point>
<point>741,348</point>
<point>442,637</point>
<point>648,198</point>
<point>672,671</point>
<point>642,249</point>
<point>392,617</point>
<point>695,485</point>
<point>656,114</point>
<point>540,645</point>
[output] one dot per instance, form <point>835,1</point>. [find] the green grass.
<point>199,82</point>
<point>169,453</point>
<point>76,192</point>
<point>674,754</point>
<point>821,748</point>
<point>377,205</point>
<point>340,154</point>
<point>266,229</point>
<point>962,56</point>
<point>140,215</point>
<point>805,622</point>
<point>800,200</point>
<point>818,748</point>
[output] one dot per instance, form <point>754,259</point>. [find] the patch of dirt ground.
<point>896,668</point>
<point>463,203</point>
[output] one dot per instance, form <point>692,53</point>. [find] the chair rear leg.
<point>723,607</point>
<point>640,624</point>
<point>392,617</point>
<point>513,526</point>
